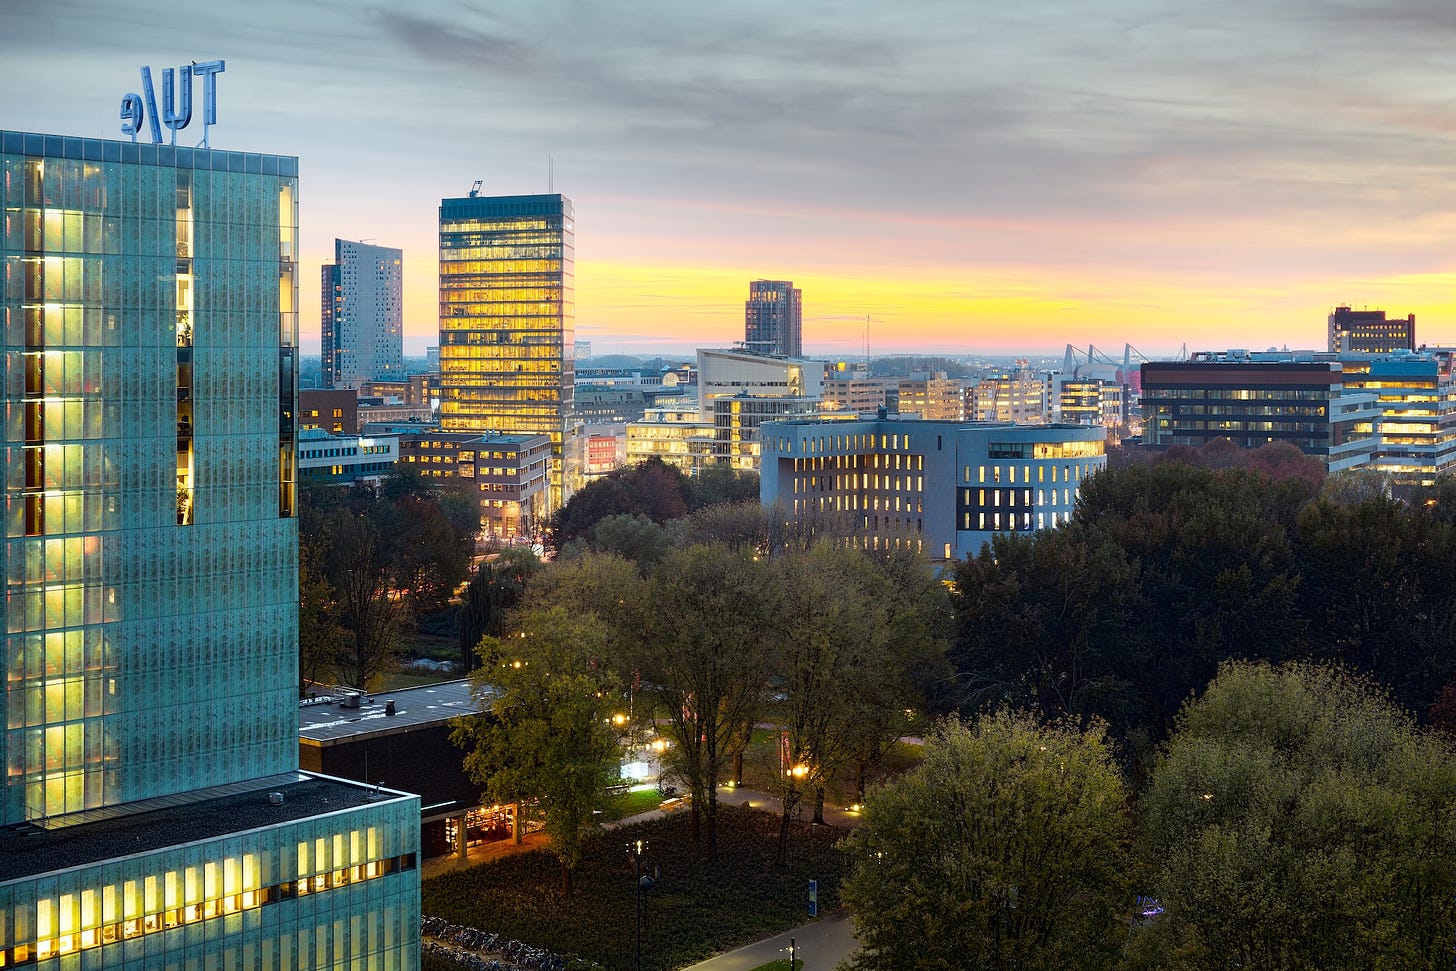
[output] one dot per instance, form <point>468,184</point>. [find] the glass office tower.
<point>152,807</point>
<point>507,321</point>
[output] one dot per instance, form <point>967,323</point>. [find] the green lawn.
<point>696,909</point>
<point>782,964</point>
<point>633,802</point>
<point>761,767</point>
<point>428,646</point>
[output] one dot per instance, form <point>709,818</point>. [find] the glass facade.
<point>150,334</point>
<point>148,302</point>
<point>328,891</point>
<point>507,321</point>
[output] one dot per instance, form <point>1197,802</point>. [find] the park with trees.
<point>1206,724</point>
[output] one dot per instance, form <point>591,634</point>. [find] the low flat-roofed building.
<point>724,373</point>
<point>852,389</point>
<point>942,488</point>
<point>1370,332</point>
<point>401,740</point>
<point>1013,398</point>
<point>375,410</point>
<point>342,459</point>
<point>245,867</point>
<point>933,397</point>
<point>1416,395</point>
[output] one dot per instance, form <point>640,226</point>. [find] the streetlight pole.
<point>644,883</point>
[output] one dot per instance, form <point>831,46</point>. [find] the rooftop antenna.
<point>475,189</point>
<point>867,342</point>
<point>550,175</point>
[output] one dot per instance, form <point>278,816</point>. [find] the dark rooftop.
<point>27,851</point>
<point>327,722</point>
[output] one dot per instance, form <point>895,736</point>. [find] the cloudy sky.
<point>968,176</point>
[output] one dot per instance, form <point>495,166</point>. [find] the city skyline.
<point>966,181</point>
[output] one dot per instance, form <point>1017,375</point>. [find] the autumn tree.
<point>702,660</point>
<point>653,489</point>
<point>636,538</point>
<point>842,659</point>
<point>385,557</point>
<point>1006,848</point>
<point>544,728</point>
<point>1298,819</point>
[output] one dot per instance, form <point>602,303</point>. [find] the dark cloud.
<point>446,39</point>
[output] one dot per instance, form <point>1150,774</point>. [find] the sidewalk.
<point>821,945</point>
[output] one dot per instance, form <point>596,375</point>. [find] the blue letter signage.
<point>176,113</point>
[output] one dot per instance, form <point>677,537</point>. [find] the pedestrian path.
<point>727,796</point>
<point>821,945</point>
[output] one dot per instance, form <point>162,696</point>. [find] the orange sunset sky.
<point>969,177</point>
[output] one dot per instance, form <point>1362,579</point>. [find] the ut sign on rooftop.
<point>176,101</point>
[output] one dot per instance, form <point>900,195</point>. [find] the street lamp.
<point>644,884</point>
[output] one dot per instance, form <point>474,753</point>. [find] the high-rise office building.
<point>151,811</point>
<point>1369,332</point>
<point>507,322</point>
<point>362,315</point>
<point>773,318</point>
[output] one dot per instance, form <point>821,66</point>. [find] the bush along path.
<point>478,950</point>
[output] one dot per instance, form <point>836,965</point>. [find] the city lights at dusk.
<point>968,178</point>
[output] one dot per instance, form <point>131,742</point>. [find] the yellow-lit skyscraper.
<point>507,321</point>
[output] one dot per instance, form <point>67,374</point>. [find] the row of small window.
<point>1236,394</point>
<point>1016,522</point>
<point>852,443</point>
<point>1246,411</point>
<point>850,462</point>
<point>362,469</point>
<point>59,945</point>
<point>854,503</point>
<point>855,481</point>
<point>1069,473</point>
<point>991,498</point>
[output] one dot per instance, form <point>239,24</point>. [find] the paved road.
<point>820,945</point>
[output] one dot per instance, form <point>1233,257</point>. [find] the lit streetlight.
<point>644,884</point>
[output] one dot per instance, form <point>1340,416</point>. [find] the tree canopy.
<point>653,489</point>
<point>1297,819</point>
<point>374,560</point>
<point>544,730</point>
<point>1005,848</point>
<point>1167,570</point>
